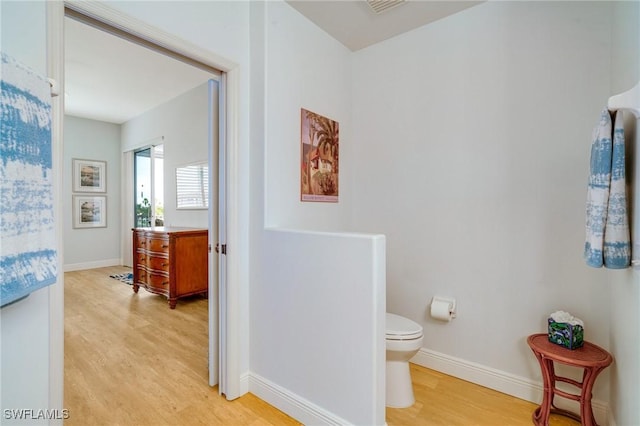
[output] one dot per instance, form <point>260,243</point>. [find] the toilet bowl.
<point>403,341</point>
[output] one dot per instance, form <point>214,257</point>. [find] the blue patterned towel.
<point>607,240</point>
<point>28,259</point>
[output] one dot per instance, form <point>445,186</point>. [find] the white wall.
<point>311,71</point>
<point>317,325</point>
<point>307,298</point>
<point>475,168</point>
<point>86,248</point>
<point>182,124</point>
<point>625,286</point>
<point>24,325</point>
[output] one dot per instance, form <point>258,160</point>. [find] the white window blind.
<point>192,185</point>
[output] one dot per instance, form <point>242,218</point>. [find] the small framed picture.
<point>89,211</point>
<point>89,175</point>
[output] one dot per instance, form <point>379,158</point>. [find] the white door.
<point>217,215</point>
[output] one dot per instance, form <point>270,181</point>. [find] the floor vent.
<point>379,6</point>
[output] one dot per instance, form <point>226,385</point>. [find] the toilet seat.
<point>401,328</point>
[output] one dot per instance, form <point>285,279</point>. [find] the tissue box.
<point>566,335</point>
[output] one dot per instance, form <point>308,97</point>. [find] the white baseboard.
<point>297,407</point>
<point>310,414</point>
<point>92,265</point>
<point>501,381</point>
<point>244,383</point>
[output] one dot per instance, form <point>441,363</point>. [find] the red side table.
<point>593,359</point>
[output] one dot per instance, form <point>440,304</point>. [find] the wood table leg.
<point>541,414</point>
<point>586,410</point>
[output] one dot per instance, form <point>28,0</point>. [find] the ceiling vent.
<point>379,6</point>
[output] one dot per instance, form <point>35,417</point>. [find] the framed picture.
<point>89,211</point>
<point>320,143</point>
<point>89,175</point>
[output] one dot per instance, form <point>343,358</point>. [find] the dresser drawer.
<point>141,258</point>
<point>158,245</point>
<point>142,276</point>
<point>158,263</point>
<point>142,242</point>
<point>158,281</point>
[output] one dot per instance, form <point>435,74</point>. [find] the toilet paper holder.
<point>450,302</point>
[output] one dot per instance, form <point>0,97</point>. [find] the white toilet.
<point>404,339</point>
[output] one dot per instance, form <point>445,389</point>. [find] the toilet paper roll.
<point>441,310</point>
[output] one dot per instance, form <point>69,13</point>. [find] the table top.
<point>589,355</point>
<point>168,229</point>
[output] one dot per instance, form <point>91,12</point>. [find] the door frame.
<point>230,302</point>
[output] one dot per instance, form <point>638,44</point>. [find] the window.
<point>192,186</point>
<point>149,186</point>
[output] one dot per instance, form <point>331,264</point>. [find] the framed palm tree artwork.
<point>320,142</point>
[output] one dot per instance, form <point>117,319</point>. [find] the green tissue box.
<point>566,335</point>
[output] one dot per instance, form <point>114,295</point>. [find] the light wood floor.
<point>130,360</point>
<point>442,400</point>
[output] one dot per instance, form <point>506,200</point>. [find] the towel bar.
<point>629,100</point>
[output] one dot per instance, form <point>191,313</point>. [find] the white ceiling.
<point>354,24</point>
<point>110,79</point>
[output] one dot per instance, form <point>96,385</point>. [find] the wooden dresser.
<point>171,261</point>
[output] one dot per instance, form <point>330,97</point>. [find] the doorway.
<point>148,176</point>
<point>147,196</point>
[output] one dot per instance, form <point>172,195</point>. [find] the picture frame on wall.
<point>89,175</point>
<point>320,143</point>
<point>89,211</point>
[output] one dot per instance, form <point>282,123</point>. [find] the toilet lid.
<point>401,328</point>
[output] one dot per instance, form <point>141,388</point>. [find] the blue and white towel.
<point>28,259</point>
<point>607,240</point>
